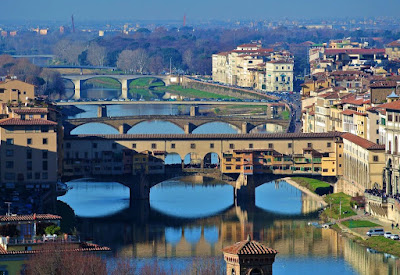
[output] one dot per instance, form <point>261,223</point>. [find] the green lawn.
<point>146,82</point>
<point>192,93</point>
<point>145,93</point>
<point>285,115</point>
<point>359,223</point>
<point>383,244</point>
<point>104,82</point>
<point>314,185</point>
<point>334,201</point>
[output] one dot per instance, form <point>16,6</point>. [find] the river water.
<point>185,219</point>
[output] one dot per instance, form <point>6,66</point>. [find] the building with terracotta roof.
<point>246,67</point>
<point>28,149</point>
<point>363,163</point>
<point>393,50</point>
<point>249,257</point>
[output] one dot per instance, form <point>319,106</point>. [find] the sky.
<point>104,10</point>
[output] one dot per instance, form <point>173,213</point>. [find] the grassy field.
<point>383,244</point>
<point>334,201</point>
<point>192,93</point>
<point>316,186</point>
<point>104,82</point>
<point>359,223</point>
<point>146,82</point>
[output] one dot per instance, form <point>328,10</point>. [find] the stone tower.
<point>249,258</point>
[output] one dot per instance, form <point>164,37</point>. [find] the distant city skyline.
<point>105,10</point>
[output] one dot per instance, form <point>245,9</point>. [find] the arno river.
<point>187,219</point>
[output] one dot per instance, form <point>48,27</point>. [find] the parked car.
<point>376,232</point>
<point>387,234</point>
<point>395,237</point>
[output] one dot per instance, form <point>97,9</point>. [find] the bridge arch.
<point>211,160</point>
<point>225,126</point>
<point>94,128</point>
<point>157,127</point>
<point>106,84</point>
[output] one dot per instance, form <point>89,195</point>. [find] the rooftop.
<point>22,122</point>
<point>354,51</point>
<point>27,218</point>
<point>364,143</point>
<point>395,105</point>
<point>249,247</point>
<point>31,111</point>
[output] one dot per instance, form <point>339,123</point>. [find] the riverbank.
<point>306,191</point>
<point>355,225</point>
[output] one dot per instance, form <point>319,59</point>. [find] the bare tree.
<point>156,64</point>
<point>188,59</point>
<point>96,55</point>
<point>125,61</point>
<point>68,51</point>
<point>141,60</point>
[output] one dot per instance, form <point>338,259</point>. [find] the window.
<point>237,167</point>
<point>29,165</point>
<point>134,145</point>
<point>211,145</point>
<point>377,131</point>
<point>228,167</point>
<point>192,146</point>
<point>45,141</point>
<point>9,164</point>
<point>29,154</point>
<point>172,145</point>
<point>29,175</point>
<point>94,145</point>
<point>44,165</point>
<point>389,117</point>
<point>309,145</point>
<point>10,141</point>
<point>29,141</point>
<point>37,176</point>
<point>45,175</point>
<point>9,176</point>
<point>9,153</point>
<point>153,146</point>
<point>45,129</point>
<point>231,146</point>
<point>376,158</point>
<point>328,144</point>
<point>340,155</point>
<point>44,154</point>
<point>340,165</point>
<point>238,159</point>
<point>251,145</point>
<point>228,159</point>
<point>42,116</point>
<point>270,145</point>
<point>289,145</point>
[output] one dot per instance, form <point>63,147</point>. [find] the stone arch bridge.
<point>77,80</point>
<point>186,123</point>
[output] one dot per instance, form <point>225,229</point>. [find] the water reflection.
<point>170,229</point>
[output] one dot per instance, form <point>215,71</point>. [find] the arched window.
<point>396,145</point>
<point>255,271</point>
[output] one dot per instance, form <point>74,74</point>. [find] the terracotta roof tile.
<point>249,248</point>
<point>32,217</point>
<point>21,122</point>
<point>353,51</point>
<point>31,111</point>
<point>395,105</point>
<point>366,144</point>
<point>84,247</point>
<point>383,84</point>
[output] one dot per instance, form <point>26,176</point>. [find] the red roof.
<point>21,122</point>
<point>32,217</point>
<point>249,248</point>
<point>395,105</point>
<point>84,247</point>
<point>249,45</point>
<point>366,144</point>
<point>394,44</point>
<point>384,84</point>
<point>353,51</point>
<point>31,111</point>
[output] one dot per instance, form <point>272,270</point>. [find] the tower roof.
<point>249,247</point>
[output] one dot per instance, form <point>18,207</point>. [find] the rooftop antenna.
<point>73,24</point>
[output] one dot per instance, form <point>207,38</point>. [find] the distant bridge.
<point>186,123</point>
<point>123,79</point>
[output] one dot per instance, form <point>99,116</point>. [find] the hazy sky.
<point>61,10</point>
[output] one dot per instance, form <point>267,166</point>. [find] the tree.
<point>125,61</point>
<point>96,55</point>
<point>53,82</point>
<point>141,60</point>
<point>188,59</point>
<point>133,61</point>
<point>156,65</point>
<point>68,51</point>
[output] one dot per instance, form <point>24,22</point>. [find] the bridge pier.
<point>140,188</point>
<point>246,127</point>
<point>77,90</point>
<point>124,128</point>
<point>194,110</point>
<point>125,88</point>
<point>189,127</point>
<point>102,111</point>
<point>245,190</point>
